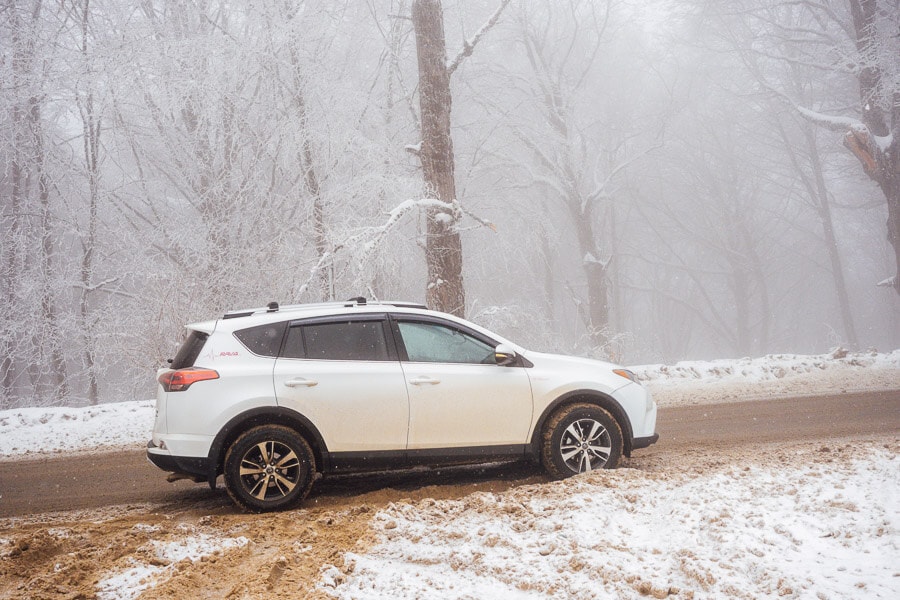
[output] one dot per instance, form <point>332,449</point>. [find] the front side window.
<point>344,340</point>
<point>430,342</point>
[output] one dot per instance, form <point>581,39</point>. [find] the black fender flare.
<point>600,399</point>
<point>265,415</point>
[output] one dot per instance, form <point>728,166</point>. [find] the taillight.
<point>180,380</point>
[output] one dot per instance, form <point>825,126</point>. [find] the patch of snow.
<point>817,530</point>
<point>128,583</point>
<point>884,141</point>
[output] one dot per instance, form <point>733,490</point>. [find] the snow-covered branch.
<point>93,287</point>
<point>829,121</point>
<point>469,45</point>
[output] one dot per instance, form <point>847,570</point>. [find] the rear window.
<point>189,350</point>
<point>264,340</point>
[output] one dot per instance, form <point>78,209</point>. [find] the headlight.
<point>627,375</point>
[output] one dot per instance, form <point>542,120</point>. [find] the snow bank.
<point>26,431</point>
<point>816,528</point>
<point>705,382</point>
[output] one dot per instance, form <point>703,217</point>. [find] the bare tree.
<point>578,154</point>
<point>873,133</point>
<point>445,290</point>
<point>32,364</point>
<point>777,65</point>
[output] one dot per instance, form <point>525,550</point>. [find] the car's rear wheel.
<point>580,438</point>
<point>268,468</point>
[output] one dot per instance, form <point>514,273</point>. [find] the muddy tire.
<point>580,438</point>
<point>269,468</point>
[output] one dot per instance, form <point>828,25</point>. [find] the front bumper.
<point>643,442</point>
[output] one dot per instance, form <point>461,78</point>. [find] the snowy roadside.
<point>42,431</point>
<point>806,521</point>
<point>772,376</point>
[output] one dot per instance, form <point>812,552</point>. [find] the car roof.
<point>273,313</point>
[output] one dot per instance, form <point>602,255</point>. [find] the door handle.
<point>301,382</point>
<point>424,381</point>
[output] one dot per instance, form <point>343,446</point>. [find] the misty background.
<point>645,181</point>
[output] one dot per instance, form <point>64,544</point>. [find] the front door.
<point>458,395</point>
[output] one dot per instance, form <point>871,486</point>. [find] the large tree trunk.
<point>880,163</point>
<point>443,248</point>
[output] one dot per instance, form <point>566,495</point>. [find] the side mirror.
<point>504,355</point>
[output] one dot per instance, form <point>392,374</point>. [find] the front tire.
<point>269,468</point>
<point>579,438</point>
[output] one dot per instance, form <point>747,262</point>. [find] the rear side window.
<point>189,350</point>
<point>345,340</point>
<point>264,340</point>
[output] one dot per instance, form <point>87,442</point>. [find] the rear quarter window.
<point>263,340</point>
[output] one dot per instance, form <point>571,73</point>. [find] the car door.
<point>458,396</point>
<point>343,375</point>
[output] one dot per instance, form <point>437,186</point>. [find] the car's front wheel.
<point>268,468</point>
<point>580,438</point>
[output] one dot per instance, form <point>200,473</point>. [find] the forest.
<point>644,181</point>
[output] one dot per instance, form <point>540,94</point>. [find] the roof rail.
<point>357,301</point>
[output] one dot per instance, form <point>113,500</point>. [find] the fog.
<point>641,181</point>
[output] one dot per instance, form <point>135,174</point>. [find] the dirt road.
<point>94,481</point>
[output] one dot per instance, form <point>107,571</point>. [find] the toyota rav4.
<point>274,398</point>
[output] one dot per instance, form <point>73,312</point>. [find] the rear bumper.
<point>643,442</point>
<point>177,464</point>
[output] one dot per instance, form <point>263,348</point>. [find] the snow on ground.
<point>812,528</point>
<point>27,432</point>
<point>137,575</point>
<point>704,382</point>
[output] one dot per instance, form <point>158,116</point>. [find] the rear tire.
<point>267,468</point>
<point>580,438</point>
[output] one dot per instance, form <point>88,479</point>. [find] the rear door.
<point>344,376</point>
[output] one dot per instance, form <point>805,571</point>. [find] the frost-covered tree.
<point>847,41</point>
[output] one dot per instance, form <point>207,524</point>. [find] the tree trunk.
<point>90,123</point>
<point>823,207</point>
<point>595,273</point>
<point>882,165</point>
<point>443,247</point>
<point>48,336</point>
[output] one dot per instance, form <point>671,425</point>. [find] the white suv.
<point>273,398</point>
